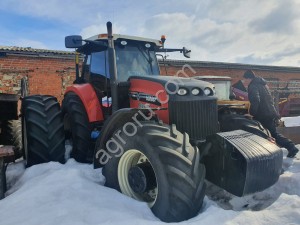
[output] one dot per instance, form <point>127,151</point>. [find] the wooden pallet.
<point>6,155</point>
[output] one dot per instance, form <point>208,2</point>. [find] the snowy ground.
<point>291,121</point>
<point>73,194</point>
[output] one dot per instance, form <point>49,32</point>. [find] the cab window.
<point>99,64</point>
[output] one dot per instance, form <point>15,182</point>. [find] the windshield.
<point>222,89</point>
<point>135,60</point>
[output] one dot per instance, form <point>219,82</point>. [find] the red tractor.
<point>156,137</point>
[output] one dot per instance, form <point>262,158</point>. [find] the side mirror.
<point>73,41</point>
<point>186,52</point>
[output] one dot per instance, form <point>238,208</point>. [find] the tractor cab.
<point>109,76</point>
<point>134,56</point>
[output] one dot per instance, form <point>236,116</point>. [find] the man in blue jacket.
<point>263,110</point>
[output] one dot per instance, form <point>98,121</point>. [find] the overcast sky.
<point>239,31</point>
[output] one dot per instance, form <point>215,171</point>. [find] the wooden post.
<point>6,152</point>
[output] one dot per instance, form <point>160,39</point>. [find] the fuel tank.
<point>241,162</point>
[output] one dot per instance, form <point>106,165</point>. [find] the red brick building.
<point>233,70</point>
<point>50,72</point>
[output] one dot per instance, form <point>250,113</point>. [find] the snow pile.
<point>73,194</point>
<point>291,121</point>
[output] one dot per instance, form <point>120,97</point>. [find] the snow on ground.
<point>291,121</point>
<point>73,194</point>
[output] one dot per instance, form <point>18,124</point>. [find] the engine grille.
<point>198,118</point>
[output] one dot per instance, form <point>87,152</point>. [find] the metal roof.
<point>226,65</point>
<point>212,77</point>
<point>35,51</point>
<point>128,37</point>
<point>28,51</point>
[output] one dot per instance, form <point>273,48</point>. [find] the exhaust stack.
<point>112,68</point>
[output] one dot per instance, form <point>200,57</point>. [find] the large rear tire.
<point>12,135</point>
<point>232,122</point>
<point>77,127</point>
<point>158,166</point>
<point>43,132</point>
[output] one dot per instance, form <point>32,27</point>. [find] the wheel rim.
<point>128,160</point>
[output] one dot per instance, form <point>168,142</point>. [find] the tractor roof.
<point>126,37</point>
<point>212,77</point>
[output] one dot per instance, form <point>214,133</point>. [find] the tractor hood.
<point>172,83</point>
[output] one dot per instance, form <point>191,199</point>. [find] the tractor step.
<point>242,163</point>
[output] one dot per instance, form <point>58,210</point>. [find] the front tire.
<point>160,167</point>
<point>43,133</point>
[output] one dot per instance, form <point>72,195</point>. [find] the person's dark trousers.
<point>280,139</point>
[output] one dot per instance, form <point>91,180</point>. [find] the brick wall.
<point>235,74</point>
<point>45,75</point>
<point>51,75</point>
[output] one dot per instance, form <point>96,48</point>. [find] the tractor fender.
<point>89,99</point>
<point>116,121</point>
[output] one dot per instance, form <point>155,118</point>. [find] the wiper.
<point>149,59</point>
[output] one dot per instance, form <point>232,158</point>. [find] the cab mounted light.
<point>163,39</point>
<point>123,43</point>
<point>102,36</point>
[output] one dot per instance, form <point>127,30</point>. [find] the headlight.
<point>182,91</point>
<point>208,91</point>
<point>195,91</point>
